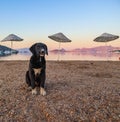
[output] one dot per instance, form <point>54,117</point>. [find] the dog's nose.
<point>42,51</point>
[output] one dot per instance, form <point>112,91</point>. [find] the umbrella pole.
<point>59,52</point>
<point>106,51</point>
<point>11,47</point>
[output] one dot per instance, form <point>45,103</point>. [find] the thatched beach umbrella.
<point>12,38</point>
<point>61,38</point>
<point>106,37</point>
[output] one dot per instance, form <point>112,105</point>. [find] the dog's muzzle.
<point>42,52</point>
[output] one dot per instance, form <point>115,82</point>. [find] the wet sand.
<point>77,91</point>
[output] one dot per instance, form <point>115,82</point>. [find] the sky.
<point>80,20</point>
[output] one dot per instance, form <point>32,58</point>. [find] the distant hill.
<point>24,50</point>
<point>96,49</point>
<point>99,49</point>
<point>4,50</point>
<point>92,49</point>
<point>56,50</point>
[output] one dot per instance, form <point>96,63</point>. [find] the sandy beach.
<point>77,91</point>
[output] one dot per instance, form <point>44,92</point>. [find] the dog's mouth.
<point>41,52</point>
<point>42,55</point>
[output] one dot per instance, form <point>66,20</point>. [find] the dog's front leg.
<point>32,79</point>
<point>42,91</point>
<point>34,91</point>
<point>42,78</point>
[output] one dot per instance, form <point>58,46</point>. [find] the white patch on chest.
<point>37,71</point>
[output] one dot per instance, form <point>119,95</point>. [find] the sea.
<point>66,56</point>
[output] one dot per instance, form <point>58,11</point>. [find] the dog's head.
<point>39,49</point>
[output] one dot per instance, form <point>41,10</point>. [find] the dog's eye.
<point>38,47</point>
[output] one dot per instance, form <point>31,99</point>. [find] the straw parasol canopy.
<point>12,37</point>
<point>61,38</point>
<point>106,37</point>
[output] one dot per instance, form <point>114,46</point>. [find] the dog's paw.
<point>34,91</point>
<point>42,91</point>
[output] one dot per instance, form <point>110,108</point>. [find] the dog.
<point>36,74</point>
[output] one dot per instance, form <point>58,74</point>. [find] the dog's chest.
<point>37,71</point>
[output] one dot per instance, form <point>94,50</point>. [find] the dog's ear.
<point>46,49</point>
<point>32,49</point>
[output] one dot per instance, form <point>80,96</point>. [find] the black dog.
<point>36,74</point>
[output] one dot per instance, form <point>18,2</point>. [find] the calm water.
<point>67,56</point>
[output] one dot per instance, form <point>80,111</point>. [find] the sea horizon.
<point>64,56</point>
